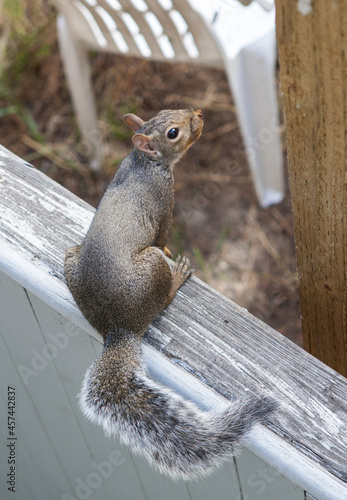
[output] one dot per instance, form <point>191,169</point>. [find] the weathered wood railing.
<point>204,346</point>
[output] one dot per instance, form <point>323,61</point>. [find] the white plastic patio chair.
<point>214,33</point>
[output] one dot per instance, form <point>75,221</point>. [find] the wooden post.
<point>312,44</point>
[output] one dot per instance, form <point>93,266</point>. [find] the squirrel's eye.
<point>173,133</point>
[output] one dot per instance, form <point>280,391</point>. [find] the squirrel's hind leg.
<point>159,280</point>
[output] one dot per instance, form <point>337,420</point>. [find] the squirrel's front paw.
<point>180,273</point>
<point>182,270</point>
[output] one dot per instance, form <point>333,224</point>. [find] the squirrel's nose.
<point>198,112</point>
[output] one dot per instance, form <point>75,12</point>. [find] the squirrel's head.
<point>168,135</point>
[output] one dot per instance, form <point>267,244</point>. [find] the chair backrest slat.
<point>137,27</point>
<point>204,40</point>
<point>171,29</point>
<point>157,29</point>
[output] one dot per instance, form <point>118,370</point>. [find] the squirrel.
<point>121,280</point>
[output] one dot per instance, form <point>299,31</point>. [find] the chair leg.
<point>77,72</point>
<point>252,79</point>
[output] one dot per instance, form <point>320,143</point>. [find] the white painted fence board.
<point>223,485</point>
<point>260,481</point>
<point>157,486</point>
<point>202,331</point>
<point>14,344</point>
<point>22,450</point>
<point>31,447</point>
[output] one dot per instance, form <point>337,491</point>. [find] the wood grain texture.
<point>202,333</point>
<point>313,74</point>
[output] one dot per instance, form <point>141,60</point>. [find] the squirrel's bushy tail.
<point>174,435</point>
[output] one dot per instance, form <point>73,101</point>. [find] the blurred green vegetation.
<point>24,38</point>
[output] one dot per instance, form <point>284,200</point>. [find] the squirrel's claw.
<point>183,268</point>
<point>167,252</point>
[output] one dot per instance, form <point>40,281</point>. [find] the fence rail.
<point>204,346</point>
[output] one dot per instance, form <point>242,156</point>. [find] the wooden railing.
<point>204,346</point>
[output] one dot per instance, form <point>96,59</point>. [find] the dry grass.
<point>245,252</point>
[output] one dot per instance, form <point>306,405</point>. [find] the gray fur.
<point>174,435</point>
<point>121,282</point>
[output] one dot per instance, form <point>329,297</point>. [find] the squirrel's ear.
<point>145,144</point>
<point>133,122</point>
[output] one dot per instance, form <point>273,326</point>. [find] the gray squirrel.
<point>121,281</point>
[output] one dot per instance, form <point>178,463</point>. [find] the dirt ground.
<point>245,252</point>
